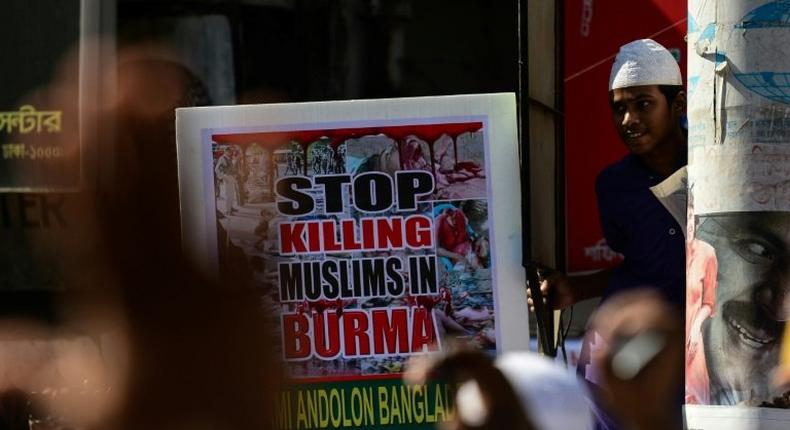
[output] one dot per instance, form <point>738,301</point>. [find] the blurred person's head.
<point>200,353</point>
<point>519,390</point>
<point>190,352</point>
<point>145,196</point>
<point>638,353</point>
<point>742,339</point>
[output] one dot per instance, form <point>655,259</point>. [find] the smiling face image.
<point>742,338</point>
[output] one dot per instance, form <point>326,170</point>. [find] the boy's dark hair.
<point>670,92</point>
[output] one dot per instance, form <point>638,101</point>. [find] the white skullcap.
<point>644,62</point>
<point>551,396</point>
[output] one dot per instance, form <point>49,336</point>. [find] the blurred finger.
<point>531,305</point>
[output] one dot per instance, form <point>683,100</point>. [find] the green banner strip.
<point>386,403</point>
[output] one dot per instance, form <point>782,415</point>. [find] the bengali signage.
<point>39,121</point>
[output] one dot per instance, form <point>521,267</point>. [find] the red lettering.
<point>326,330</point>
<point>330,240</point>
<point>313,237</point>
<point>390,233</point>
<point>394,330</point>
<point>382,332</point>
<point>368,234</point>
<point>418,232</point>
<point>296,337</point>
<point>423,333</point>
<point>375,234</point>
<point>292,238</point>
<point>355,331</point>
<point>349,235</point>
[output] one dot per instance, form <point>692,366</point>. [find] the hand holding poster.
<point>373,230</point>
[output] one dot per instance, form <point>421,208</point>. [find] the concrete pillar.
<point>739,179</point>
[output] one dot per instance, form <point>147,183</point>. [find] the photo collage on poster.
<point>367,245</point>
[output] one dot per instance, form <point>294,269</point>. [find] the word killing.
<point>376,234</point>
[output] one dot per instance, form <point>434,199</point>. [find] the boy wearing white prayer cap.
<point>647,104</point>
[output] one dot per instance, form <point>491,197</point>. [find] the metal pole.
<point>542,312</point>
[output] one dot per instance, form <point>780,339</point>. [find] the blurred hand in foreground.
<point>639,357</point>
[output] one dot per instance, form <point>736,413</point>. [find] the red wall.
<point>594,31</point>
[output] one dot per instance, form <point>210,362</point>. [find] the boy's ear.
<point>679,104</point>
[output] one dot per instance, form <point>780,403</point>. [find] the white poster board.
<point>374,230</point>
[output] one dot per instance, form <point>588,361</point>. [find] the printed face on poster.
<point>737,251</point>
<point>369,240</point>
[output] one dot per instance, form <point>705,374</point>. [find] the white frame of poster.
<point>700,417</point>
<point>498,113</point>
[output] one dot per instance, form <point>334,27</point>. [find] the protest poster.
<point>738,223</point>
<point>374,230</point>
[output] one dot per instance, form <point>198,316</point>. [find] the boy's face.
<point>643,118</point>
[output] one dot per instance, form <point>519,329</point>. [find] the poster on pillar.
<point>738,244</point>
<point>373,231</point>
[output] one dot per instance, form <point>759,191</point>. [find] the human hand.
<point>556,287</point>
<point>640,359</point>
